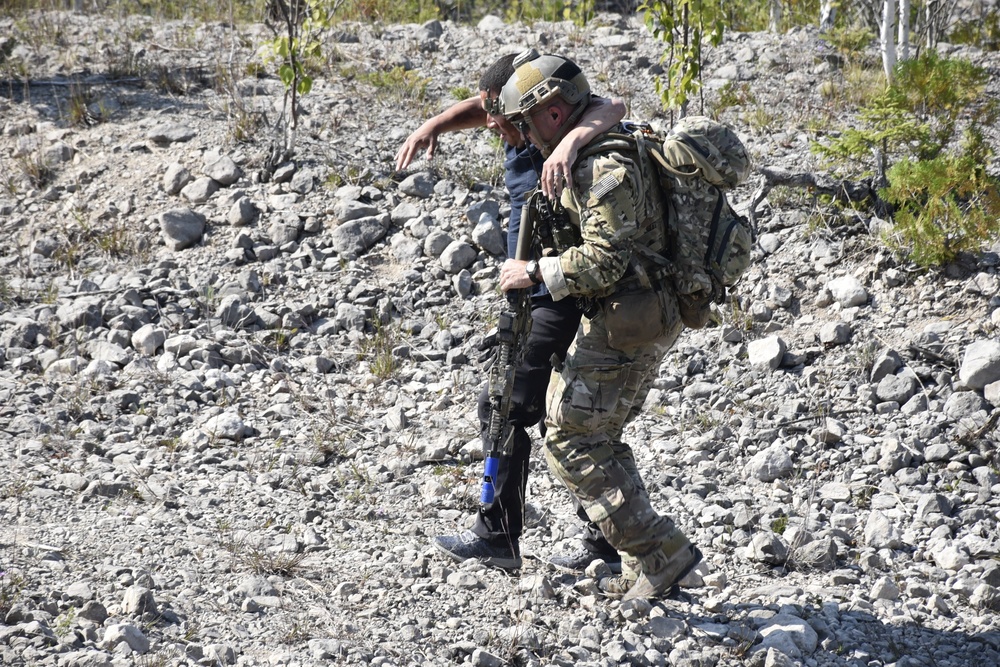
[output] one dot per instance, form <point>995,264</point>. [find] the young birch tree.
<point>827,15</point>
<point>887,37</point>
<point>904,30</point>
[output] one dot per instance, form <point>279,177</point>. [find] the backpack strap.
<point>680,149</point>
<point>608,141</point>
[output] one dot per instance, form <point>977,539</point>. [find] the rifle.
<point>512,330</point>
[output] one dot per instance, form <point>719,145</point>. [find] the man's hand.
<point>513,275</point>
<point>557,171</point>
<point>421,137</point>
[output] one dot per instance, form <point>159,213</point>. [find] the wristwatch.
<point>531,268</point>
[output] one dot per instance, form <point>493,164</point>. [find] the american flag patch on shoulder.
<point>604,186</point>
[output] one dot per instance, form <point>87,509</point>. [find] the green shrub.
<point>849,41</point>
<point>983,31</point>
<point>939,91</point>
<point>944,203</point>
<point>945,206</point>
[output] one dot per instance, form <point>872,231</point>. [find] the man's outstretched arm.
<point>462,115</point>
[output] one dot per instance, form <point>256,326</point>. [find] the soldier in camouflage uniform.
<point>631,323</point>
<point>494,537</point>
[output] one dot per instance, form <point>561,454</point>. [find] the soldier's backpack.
<point>708,245</point>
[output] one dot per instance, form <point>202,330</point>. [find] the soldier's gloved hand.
<point>489,341</point>
<point>488,345</point>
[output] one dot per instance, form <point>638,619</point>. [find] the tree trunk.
<point>930,9</point>
<point>888,38</point>
<point>827,15</point>
<point>904,30</point>
<point>775,23</point>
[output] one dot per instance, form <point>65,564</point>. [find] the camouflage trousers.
<point>589,402</point>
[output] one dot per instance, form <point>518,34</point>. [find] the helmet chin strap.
<point>547,147</point>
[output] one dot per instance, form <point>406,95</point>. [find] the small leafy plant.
<point>298,27</point>
<point>942,199</point>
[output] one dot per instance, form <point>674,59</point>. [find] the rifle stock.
<point>512,330</point>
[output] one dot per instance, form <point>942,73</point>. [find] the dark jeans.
<point>553,328</point>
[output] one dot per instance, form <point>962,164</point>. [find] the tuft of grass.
<point>34,168</point>
<point>350,175</point>
<point>77,113</point>
<point>460,93</point>
<point>378,349</point>
<point>763,120</point>
<point>862,84</point>
<point>397,84</point>
<point>11,586</point>
<point>249,555</point>
<point>732,94</point>
<point>118,241</point>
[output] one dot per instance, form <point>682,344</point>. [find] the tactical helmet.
<point>539,79</point>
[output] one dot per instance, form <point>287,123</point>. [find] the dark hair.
<point>496,75</point>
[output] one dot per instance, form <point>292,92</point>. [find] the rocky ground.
<point>235,411</point>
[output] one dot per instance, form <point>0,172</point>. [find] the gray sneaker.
<point>577,561</point>
<point>469,545</point>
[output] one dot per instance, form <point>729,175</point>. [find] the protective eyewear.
<point>493,106</point>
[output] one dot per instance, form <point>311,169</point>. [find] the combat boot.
<point>616,586</point>
<point>670,567</point>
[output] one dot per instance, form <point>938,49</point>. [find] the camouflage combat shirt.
<point>616,207</point>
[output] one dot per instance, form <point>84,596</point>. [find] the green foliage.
<point>35,169</point>
<point>11,585</point>
<point>398,83</point>
<point>938,90</point>
<point>849,41</point>
<point>983,31</point>
<point>580,12</point>
<point>884,126</point>
<point>295,50</point>
<point>77,113</point>
<point>300,43</point>
<point>243,11</point>
<point>917,114</point>
<point>944,206</point>
<point>763,119</point>
<point>732,94</point>
<point>530,11</point>
<point>378,350</point>
<point>945,203</point>
<point>684,25</point>
<point>387,11</point>
<point>460,93</point>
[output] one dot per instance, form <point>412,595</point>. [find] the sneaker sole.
<point>502,563</point>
